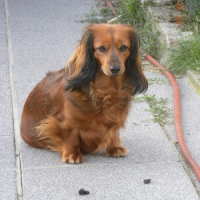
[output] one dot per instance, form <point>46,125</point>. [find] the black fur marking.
<point>88,70</point>
<point>136,78</point>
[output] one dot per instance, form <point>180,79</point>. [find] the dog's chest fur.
<point>105,114</point>
<point>103,107</point>
<point>111,107</point>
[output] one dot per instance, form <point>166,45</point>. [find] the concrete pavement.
<point>38,36</point>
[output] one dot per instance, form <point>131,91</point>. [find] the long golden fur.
<point>81,108</point>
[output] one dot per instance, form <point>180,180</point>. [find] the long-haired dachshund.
<point>80,108</point>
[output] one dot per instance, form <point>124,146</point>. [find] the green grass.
<point>185,55</point>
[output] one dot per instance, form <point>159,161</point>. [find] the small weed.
<point>91,17</point>
<point>149,39</point>
<point>158,108</point>
<point>106,12</point>
<point>156,80</point>
<point>131,12</point>
<point>149,3</point>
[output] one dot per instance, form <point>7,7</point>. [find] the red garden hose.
<point>177,109</point>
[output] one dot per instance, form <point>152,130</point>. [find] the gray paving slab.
<point>42,56</point>
<point>3,48</point>
<point>7,155</point>
<point>190,107</point>
<point>3,56</point>
<point>36,25</point>
<point>6,122</point>
<point>69,10</point>
<point>121,181</point>
<point>3,38</point>
<point>2,17</point>
<point>1,6</point>
<point>7,185</point>
<point>50,3</point>
<point>149,143</point>
<point>3,41</point>
<point>41,39</point>
<point>139,113</point>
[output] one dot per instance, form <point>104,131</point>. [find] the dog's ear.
<point>134,65</point>
<point>81,68</point>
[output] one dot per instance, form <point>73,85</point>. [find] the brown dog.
<point>81,108</point>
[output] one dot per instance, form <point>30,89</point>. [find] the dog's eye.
<point>101,49</point>
<point>123,48</point>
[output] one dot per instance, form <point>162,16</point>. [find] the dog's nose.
<point>114,69</point>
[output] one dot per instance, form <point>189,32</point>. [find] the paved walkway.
<point>38,36</point>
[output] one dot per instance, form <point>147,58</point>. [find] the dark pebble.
<point>147,181</point>
<point>83,192</point>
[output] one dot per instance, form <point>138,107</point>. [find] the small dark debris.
<point>176,142</point>
<point>147,181</point>
<point>83,192</point>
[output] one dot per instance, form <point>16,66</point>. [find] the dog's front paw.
<point>117,152</point>
<point>72,158</point>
